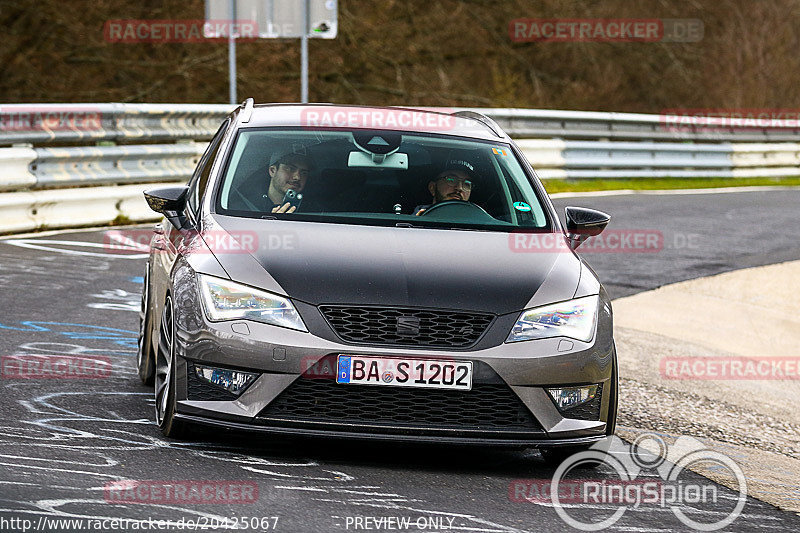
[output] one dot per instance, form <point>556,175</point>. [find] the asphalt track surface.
<point>62,441</point>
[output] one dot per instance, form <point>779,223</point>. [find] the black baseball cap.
<point>288,154</point>
<point>462,164</point>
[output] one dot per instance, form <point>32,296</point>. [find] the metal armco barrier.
<point>102,165</point>
<point>127,123</point>
<point>590,125</point>
<point>559,159</point>
<point>51,154</point>
<point>42,124</point>
<point>68,208</point>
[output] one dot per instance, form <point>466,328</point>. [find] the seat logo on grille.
<point>407,325</point>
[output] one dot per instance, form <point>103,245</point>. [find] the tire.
<point>164,377</point>
<point>555,456</point>
<point>613,402</point>
<point>145,363</point>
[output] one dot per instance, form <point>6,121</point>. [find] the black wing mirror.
<point>583,223</point>
<point>170,202</point>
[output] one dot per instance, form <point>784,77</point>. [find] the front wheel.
<point>164,378</point>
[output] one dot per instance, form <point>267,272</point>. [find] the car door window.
<point>199,180</point>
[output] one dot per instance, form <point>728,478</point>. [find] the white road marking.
<point>36,244</point>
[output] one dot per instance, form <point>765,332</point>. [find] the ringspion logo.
<point>646,473</point>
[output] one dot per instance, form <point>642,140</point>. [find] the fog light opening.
<point>232,381</point>
<point>569,397</point>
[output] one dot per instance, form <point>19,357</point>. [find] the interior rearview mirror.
<point>395,160</point>
<point>583,223</point>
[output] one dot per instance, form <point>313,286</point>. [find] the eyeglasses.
<point>291,169</point>
<point>452,181</point>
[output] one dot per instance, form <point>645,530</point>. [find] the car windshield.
<point>378,178</point>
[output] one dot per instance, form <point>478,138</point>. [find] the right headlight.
<point>226,300</point>
<point>574,319</point>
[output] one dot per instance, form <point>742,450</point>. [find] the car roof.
<point>316,116</point>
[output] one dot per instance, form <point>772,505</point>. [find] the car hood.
<point>322,263</point>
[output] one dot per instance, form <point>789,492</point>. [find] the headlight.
<point>574,319</point>
<point>226,300</point>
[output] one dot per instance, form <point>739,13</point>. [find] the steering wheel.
<point>458,209</point>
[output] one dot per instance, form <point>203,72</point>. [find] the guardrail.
<point>47,124</point>
<point>51,153</point>
<point>590,125</point>
<point>127,123</point>
<point>560,159</point>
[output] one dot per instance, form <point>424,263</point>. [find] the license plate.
<point>397,372</point>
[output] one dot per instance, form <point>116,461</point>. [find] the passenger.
<point>453,183</point>
<point>286,171</point>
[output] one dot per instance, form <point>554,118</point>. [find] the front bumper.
<point>283,358</point>
<point>361,435</point>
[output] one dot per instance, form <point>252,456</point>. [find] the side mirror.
<point>170,202</point>
<point>583,223</point>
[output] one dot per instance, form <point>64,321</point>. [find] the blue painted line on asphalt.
<point>121,337</point>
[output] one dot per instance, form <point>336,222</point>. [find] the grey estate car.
<point>375,273</point>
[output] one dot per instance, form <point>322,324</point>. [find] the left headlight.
<point>226,300</point>
<point>574,319</point>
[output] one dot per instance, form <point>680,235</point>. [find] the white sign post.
<point>272,19</point>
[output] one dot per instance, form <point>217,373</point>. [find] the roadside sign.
<point>276,19</point>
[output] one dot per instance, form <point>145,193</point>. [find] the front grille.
<point>487,407</point>
<point>406,326</point>
<point>199,389</point>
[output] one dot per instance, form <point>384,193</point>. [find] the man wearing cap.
<point>453,183</point>
<point>286,172</point>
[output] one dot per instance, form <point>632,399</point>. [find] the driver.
<point>453,183</point>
